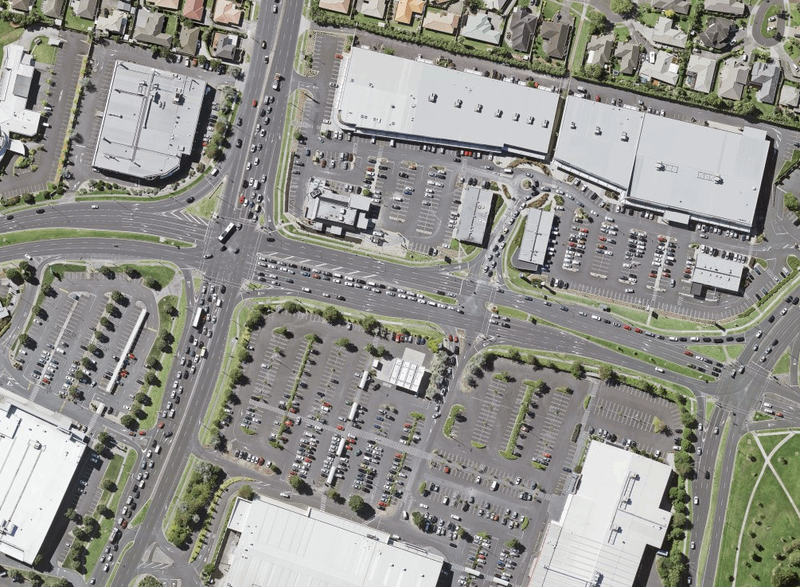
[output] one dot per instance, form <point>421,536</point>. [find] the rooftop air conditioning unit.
<point>597,130</point>
<point>498,113</point>
<point>432,98</point>
<point>718,179</point>
<point>516,117</point>
<point>530,119</point>
<point>479,108</point>
<point>624,137</point>
<point>660,166</point>
<point>458,103</point>
<point>573,126</point>
<point>545,123</point>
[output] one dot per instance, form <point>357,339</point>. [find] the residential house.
<point>496,5</point>
<point>599,49</point>
<point>342,6</point>
<point>732,81</point>
<point>441,21</point>
<point>700,73</point>
<point>767,78</point>
<point>790,96</point>
<point>86,8</point>
<point>150,29</point>
<point>676,6</point>
<point>113,22</point>
<point>224,46</point>
<point>662,69</point>
<point>628,55</point>
<point>372,8</point>
<point>718,33</point>
<point>484,27</point>
<point>194,9</point>
<point>555,39</point>
<point>189,40</point>
<point>521,28</point>
<point>406,9</point>
<point>227,12</point>
<point>166,4</point>
<point>729,7</point>
<point>53,8</point>
<point>665,33</point>
<point>21,5</point>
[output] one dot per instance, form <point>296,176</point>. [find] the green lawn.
<point>163,274</point>
<point>744,477</point>
<point>140,515</point>
<point>207,206</point>
<point>9,33</point>
<point>649,18</point>
<point>579,45</point>
<point>771,524</point>
<point>789,472</point>
<point>172,24</point>
<point>794,14</point>
<point>187,471</point>
<point>45,234</point>
<point>791,46</point>
<point>44,53</point>
<point>621,33</point>
<point>718,477</point>
<point>549,9</point>
<point>76,23</point>
<point>733,351</point>
<point>771,11</point>
<point>783,364</point>
<point>770,441</point>
<point>711,351</point>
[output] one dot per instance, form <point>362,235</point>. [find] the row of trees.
<point>191,510</point>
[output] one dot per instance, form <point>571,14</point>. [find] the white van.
<point>495,485</point>
<point>286,494</point>
<point>219,302</point>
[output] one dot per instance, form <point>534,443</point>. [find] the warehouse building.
<point>39,454</point>
<point>280,544</point>
<point>395,98</point>
<point>532,250</point>
<point>609,525</point>
<point>683,171</point>
<point>476,209</point>
<point>149,122</point>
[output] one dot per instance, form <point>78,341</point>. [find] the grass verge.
<point>783,364</point>
<point>44,234</point>
<point>140,515</point>
<point>455,412</point>
<point>187,471</point>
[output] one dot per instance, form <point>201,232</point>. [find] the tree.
<point>370,324</point>
<point>622,6</point>
<point>783,576</point>
<point>658,425</point>
<point>791,203</point>
<point>281,330</point>
<point>25,340</point>
<point>14,275</point>
<point>150,378</point>
<point>370,348</point>
<point>597,21</point>
<point>577,370</point>
<point>343,342</point>
<point>475,5</point>
<point>71,515</point>
<point>607,373</point>
<point>745,108</point>
<point>292,307</point>
<point>117,296</point>
<point>246,492</point>
<point>35,579</point>
<point>298,484</point>
<point>333,494</point>
<point>15,575</point>
<point>418,519</point>
<point>105,322</point>
<point>356,503</point>
<point>142,398</point>
<point>152,283</point>
<point>129,422</point>
<point>108,485</point>
<point>332,315</point>
<point>513,543</point>
<point>110,308</point>
<point>80,534</point>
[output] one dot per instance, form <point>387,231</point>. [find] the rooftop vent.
<point>498,113</point>
<point>573,126</point>
<point>432,98</point>
<point>516,116</point>
<point>458,103</point>
<point>660,166</point>
<point>479,108</point>
<point>624,137</point>
<point>545,123</point>
<point>530,119</point>
<point>718,179</point>
<point>597,130</point>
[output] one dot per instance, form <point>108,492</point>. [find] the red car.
<point>637,330</point>
<point>255,103</point>
<point>339,427</point>
<point>450,337</point>
<point>626,327</point>
<point>455,338</point>
<point>688,353</point>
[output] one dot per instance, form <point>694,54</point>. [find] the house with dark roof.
<point>189,40</point>
<point>718,33</point>
<point>599,49</point>
<point>86,9</point>
<point>21,5</point>
<point>53,8</point>
<point>521,29</point>
<point>225,46</point>
<point>194,9</point>
<point>676,6</point>
<point>628,56</point>
<point>150,29</point>
<point>555,39</point>
<point>767,78</point>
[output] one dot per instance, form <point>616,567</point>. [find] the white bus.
<point>226,234</point>
<point>198,318</point>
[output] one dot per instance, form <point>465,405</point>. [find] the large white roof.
<point>607,524</point>
<point>395,97</point>
<point>598,140</point>
<point>149,122</point>
<point>707,172</point>
<point>38,458</point>
<point>302,547</point>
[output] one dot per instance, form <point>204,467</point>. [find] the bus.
<point>226,234</point>
<point>198,318</point>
